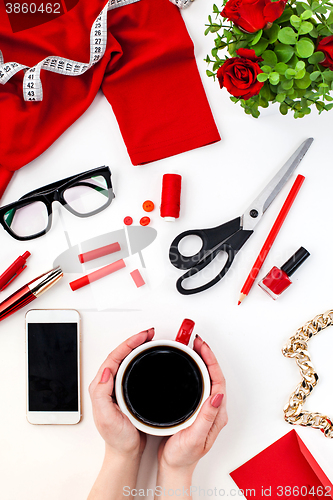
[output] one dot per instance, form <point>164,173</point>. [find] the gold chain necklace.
<point>297,348</point>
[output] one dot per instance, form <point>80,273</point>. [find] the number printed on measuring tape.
<point>32,85</point>
<point>33,8</point>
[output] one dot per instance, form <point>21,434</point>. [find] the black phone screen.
<point>52,367</point>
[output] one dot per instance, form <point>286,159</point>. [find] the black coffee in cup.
<point>162,386</point>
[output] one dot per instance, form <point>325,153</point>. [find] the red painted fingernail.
<point>105,376</point>
<point>216,400</point>
<point>198,337</point>
<point>206,344</point>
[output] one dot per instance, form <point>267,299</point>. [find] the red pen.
<point>29,292</point>
<point>13,271</point>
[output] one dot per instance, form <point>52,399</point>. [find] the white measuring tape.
<point>182,4</point>
<point>32,85</point>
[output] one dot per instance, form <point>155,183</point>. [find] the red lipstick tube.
<point>29,292</point>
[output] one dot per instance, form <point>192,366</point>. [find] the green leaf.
<point>215,27</point>
<point>280,97</point>
<point>266,69</point>
<point>262,77</point>
<point>300,74</point>
<point>274,78</point>
<point>269,57</point>
<point>263,102</point>
<point>284,52</point>
<point>272,33</point>
<point>295,21</point>
<point>209,73</point>
<point>261,46</point>
<point>283,108</point>
<point>232,49</point>
<point>216,9</point>
<point>304,82</point>
<point>300,65</point>
<point>287,84</point>
<point>316,57</point>
<point>305,27</point>
<point>304,47</point>
<point>314,75</point>
<point>290,73</point>
<point>256,38</point>
<point>306,14</point>
<point>280,68</point>
<point>293,61</point>
<point>237,30</point>
<point>266,92</point>
<point>291,93</point>
<point>288,36</point>
<point>314,33</point>
<point>328,75</point>
<point>321,10</point>
<point>285,15</point>
<point>216,65</point>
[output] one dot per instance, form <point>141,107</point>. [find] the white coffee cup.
<point>180,343</point>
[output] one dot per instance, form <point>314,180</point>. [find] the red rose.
<point>326,45</point>
<point>253,15</point>
<point>239,74</point>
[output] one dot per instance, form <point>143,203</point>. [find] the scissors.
<point>230,236</point>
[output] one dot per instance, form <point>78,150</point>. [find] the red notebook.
<point>284,470</point>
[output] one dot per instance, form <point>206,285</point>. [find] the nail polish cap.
<point>295,261</point>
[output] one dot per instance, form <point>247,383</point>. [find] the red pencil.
<point>271,237</point>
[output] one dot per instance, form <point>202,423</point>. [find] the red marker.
<point>13,271</point>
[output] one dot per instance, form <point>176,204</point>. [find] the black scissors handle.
<point>210,238</point>
<point>228,237</point>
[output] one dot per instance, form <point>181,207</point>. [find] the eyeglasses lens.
<point>28,220</point>
<point>88,195</point>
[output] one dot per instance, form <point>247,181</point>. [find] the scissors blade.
<point>258,207</point>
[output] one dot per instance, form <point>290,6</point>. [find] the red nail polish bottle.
<point>277,280</point>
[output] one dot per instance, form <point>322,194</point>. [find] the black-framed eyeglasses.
<point>83,195</point>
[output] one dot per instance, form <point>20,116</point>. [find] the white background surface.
<point>219,182</point>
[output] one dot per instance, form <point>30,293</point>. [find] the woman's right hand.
<point>115,428</point>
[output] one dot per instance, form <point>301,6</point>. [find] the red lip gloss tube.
<point>278,280</point>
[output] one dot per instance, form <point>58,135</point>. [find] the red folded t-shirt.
<point>148,74</point>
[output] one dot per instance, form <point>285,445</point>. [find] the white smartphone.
<point>53,366</point>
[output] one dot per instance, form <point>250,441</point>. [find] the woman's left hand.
<point>120,435</point>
